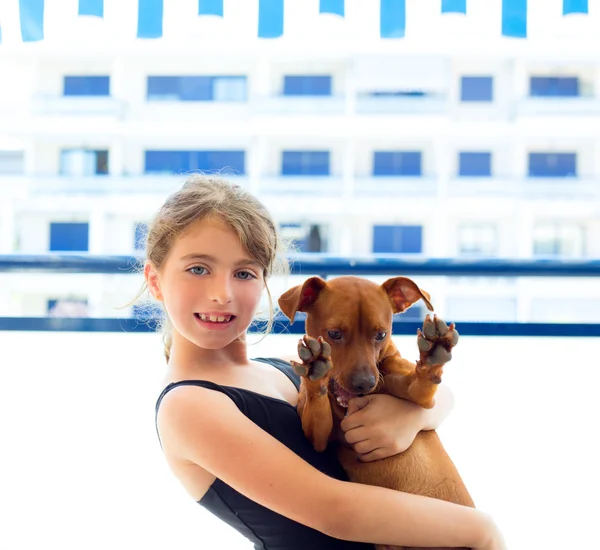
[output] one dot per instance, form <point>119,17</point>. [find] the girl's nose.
<point>221,290</point>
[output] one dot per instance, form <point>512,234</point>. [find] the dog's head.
<point>355,316</point>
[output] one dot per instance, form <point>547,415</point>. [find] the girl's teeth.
<point>214,319</point>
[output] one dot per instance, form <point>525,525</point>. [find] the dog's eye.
<point>335,334</point>
<point>380,335</point>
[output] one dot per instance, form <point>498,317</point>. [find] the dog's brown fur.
<point>360,311</point>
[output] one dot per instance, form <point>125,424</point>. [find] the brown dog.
<point>348,351</point>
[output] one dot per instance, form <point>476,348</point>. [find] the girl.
<point>228,424</point>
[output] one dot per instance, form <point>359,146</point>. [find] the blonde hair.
<point>202,197</point>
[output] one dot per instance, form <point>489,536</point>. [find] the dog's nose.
<point>363,383</point>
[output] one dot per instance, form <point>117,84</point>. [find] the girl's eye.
<point>245,275</point>
<point>380,335</point>
<point>191,270</point>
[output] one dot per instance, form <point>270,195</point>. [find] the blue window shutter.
<point>150,19</point>
<point>475,164</point>
<point>554,86</point>
<point>73,237</point>
<point>332,6</point>
<point>514,18</point>
<point>477,88</point>
<point>176,162</point>
<point>401,239</point>
<point>163,87</point>
<point>397,163</point>
<point>307,85</point>
<point>91,7</point>
<point>86,86</point>
<point>210,7</point>
<point>215,161</point>
<point>454,6</point>
<point>270,18</point>
<point>167,162</point>
<point>196,88</point>
<point>305,163</point>
<point>552,165</point>
<point>392,18</point>
<point>575,6</point>
<point>31,17</point>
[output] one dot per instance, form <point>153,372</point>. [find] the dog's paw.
<point>436,341</point>
<point>316,358</point>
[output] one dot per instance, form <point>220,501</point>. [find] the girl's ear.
<point>152,281</point>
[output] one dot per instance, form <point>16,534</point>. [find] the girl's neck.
<point>189,357</point>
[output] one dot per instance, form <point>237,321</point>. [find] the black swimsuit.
<point>265,528</point>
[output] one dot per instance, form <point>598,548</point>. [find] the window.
<point>86,86</point>
<point>140,232</point>
<point>67,307</point>
<point>307,85</point>
<point>406,239</point>
<point>69,237</point>
<point>196,88</point>
<point>477,88</point>
<point>305,163</point>
<point>305,238</point>
<point>12,162</point>
<point>554,86</point>
<point>553,239</point>
<point>552,165</point>
<point>81,162</point>
<point>475,164</point>
<point>176,162</point>
<point>396,163</point>
<point>477,239</point>
<point>414,313</point>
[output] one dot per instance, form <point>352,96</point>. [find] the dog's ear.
<point>403,293</point>
<point>300,298</point>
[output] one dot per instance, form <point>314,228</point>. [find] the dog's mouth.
<point>341,395</point>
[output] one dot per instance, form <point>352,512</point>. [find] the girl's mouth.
<point>214,322</point>
<point>214,318</point>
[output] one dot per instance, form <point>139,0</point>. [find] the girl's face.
<point>209,285</point>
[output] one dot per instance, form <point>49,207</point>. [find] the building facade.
<point>432,155</point>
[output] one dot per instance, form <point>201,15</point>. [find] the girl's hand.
<point>378,425</point>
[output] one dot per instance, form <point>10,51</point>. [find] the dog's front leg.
<point>314,406</point>
<point>418,382</point>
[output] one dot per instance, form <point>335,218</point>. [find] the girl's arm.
<point>206,428</point>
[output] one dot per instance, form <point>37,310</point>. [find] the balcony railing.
<point>395,186</point>
<point>558,106</point>
<point>19,186</point>
<point>298,105</point>
<point>31,186</point>
<point>304,266</point>
<point>78,106</point>
<point>301,185</point>
<point>401,105</point>
<point>526,188</point>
